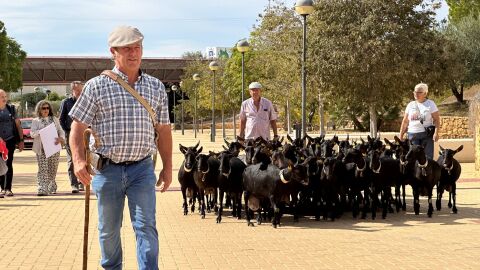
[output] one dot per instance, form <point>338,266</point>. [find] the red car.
<point>26,125</point>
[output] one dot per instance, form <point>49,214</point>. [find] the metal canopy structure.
<point>62,69</point>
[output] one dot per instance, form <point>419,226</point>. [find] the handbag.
<point>430,131</point>
<point>3,167</point>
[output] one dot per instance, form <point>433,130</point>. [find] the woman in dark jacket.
<point>8,123</point>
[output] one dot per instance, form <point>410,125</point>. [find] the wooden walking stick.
<point>86,142</point>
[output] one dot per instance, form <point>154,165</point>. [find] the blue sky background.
<point>170,27</point>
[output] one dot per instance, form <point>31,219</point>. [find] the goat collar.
<point>364,166</point>
<point>449,170</point>
<point>423,165</point>
<point>282,177</point>
<point>204,174</point>
<point>186,169</point>
<point>379,167</point>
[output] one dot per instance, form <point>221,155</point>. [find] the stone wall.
<point>451,127</point>
<point>454,127</point>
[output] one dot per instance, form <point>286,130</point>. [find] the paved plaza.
<point>47,232</point>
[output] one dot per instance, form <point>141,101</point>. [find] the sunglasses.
<point>45,108</point>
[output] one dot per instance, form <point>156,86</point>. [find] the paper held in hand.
<point>48,135</point>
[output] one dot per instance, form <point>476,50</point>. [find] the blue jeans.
<point>420,139</point>
<point>111,185</point>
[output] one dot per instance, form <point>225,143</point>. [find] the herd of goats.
<point>316,177</point>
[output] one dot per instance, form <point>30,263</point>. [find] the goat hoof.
<point>454,210</point>
<point>449,205</point>
<point>219,219</point>
<point>250,224</point>
<point>185,213</point>
<point>404,207</point>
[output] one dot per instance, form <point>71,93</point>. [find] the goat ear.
<point>183,149</point>
<point>397,139</point>
<point>387,142</point>
<point>195,147</point>
<point>441,148</point>
<point>225,140</point>
<point>459,149</point>
<point>199,150</point>
<point>289,138</point>
<point>361,139</point>
<point>440,153</point>
<point>225,148</point>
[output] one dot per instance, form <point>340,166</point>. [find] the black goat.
<point>427,174</point>
<point>185,175</point>
<point>206,179</point>
<point>230,182</point>
<point>451,171</point>
<point>272,184</point>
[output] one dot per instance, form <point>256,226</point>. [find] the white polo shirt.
<point>258,122</point>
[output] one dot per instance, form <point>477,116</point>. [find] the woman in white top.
<point>47,167</point>
<point>421,115</point>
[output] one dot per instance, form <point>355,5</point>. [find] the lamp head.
<point>304,7</point>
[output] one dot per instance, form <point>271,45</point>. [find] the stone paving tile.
<point>47,232</point>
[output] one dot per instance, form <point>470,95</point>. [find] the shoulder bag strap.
<point>134,93</point>
<point>145,104</point>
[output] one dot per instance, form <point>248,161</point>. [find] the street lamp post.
<point>304,8</point>
<point>196,78</point>
<point>213,67</point>
<point>242,46</point>
<point>174,89</point>
<point>183,96</point>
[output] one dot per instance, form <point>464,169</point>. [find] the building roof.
<point>64,69</point>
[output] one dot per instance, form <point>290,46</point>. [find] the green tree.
<point>368,54</point>
<point>11,61</point>
<point>462,54</point>
<point>459,9</point>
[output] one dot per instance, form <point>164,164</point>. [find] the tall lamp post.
<point>304,8</point>
<point>196,78</point>
<point>213,67</point>
<point>183,96</point>
<point>242,46</point>
<point>174,90</point>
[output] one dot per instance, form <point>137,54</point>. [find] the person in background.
<point>257,115</point>
<point>47,167</point>
<point>127,142</point>
<point>66,123</point>
<point>11,133</point>
<point>421,114</point>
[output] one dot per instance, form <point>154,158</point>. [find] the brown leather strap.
<point>114,76</point>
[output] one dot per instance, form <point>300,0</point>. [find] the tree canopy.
<point>459,9</point>
<point>11,61</point>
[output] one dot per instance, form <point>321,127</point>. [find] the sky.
<point>170,27</point>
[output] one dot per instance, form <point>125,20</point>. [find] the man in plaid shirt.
<point>127,139</point>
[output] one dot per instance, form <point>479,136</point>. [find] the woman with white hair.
<point>47,167</point>
<point>421,120</point>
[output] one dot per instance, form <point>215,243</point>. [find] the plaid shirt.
<point>124,126</point>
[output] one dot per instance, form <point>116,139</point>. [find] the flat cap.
<point>123,36</point>
<point>255,85</point>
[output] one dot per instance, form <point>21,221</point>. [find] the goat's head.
<point>224,158</point>
<point>190,154</point>
<point>202,163</point>
<point>447,155</point>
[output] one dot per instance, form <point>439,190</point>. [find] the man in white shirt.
<point>257,114</point>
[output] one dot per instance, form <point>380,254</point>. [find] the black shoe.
<point>74,189</point>
<point>41,194</point>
